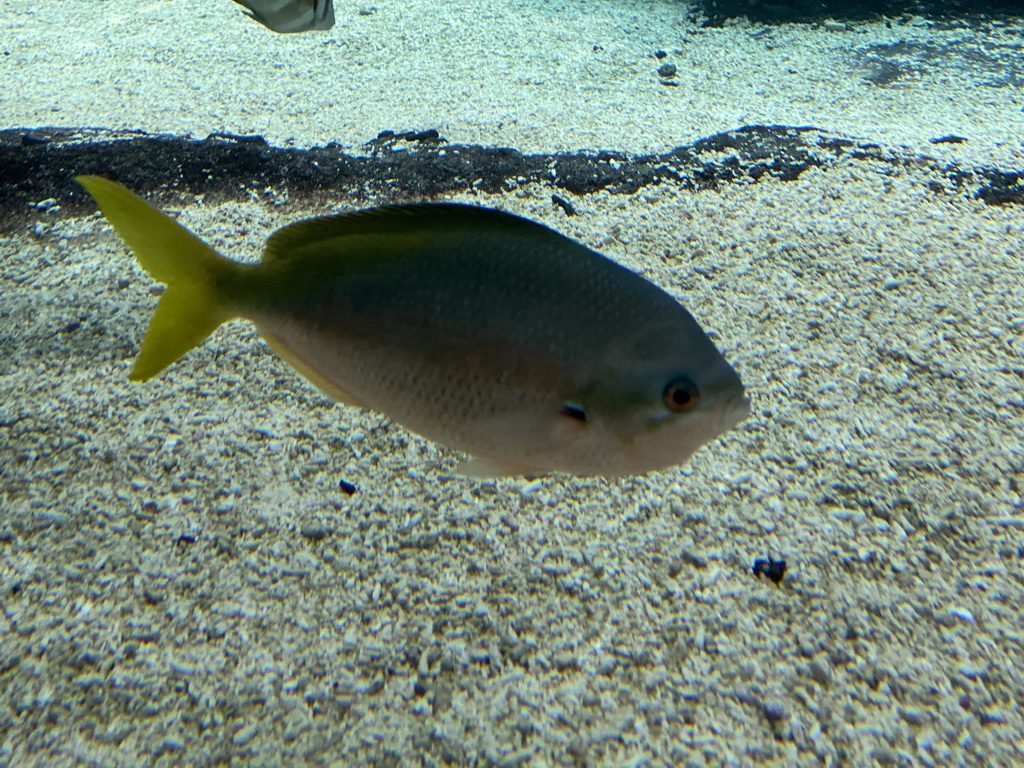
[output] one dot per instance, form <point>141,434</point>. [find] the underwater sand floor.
<point>537,76</point>
<point>184,578</point>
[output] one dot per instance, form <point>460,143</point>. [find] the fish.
<point>477,329</point>
<point>288,16</point>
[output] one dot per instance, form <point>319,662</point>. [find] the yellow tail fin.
<point>191,307</point>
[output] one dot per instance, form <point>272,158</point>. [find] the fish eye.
<point>680,395</point>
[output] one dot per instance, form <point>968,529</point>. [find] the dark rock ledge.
<point>38,165</point>
<point>966,12</point>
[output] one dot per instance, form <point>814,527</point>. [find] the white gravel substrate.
<point>537,76</point>
<point>184,581</point>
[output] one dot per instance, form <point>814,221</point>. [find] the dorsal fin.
<point>407,220</point>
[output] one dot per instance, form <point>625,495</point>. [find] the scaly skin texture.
<point>475,329</point>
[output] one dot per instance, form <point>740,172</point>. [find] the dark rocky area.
<point>40,165</point>
<point>715,12</point>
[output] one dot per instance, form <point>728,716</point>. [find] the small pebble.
<point>181,668</point>
<point>565,661</point>
<point>224,506</point>
<point>913,716</point>
<point>820,671</point>
<point>774,711</point>
<point>885,755</point>
<point>962,613</point>
<point>313,532</point>
<point>531,487</point>
<point>243,736</point>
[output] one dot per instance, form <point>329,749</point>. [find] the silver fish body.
<point>478,329</point>
<point>289,16</point>
<point>502,338</point>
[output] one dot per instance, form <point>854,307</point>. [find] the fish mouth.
<point>737,410</point>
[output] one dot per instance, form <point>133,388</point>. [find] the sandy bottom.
<point>185,579</point>
<point>221,566</point>
<point>537,75</point>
